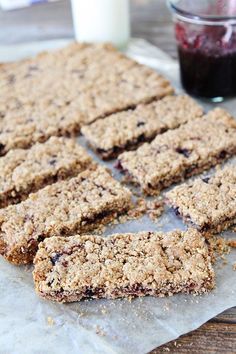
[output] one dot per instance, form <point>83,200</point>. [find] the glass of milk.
<point>101,21</point>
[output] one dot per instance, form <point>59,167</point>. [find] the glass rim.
<point>189,16</point>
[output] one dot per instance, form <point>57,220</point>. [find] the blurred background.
<point>150,19</point>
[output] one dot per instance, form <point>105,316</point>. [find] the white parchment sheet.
<point>31,325</point>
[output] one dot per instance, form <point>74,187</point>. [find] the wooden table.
<point>150,20</point>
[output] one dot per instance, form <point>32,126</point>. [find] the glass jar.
<point>206,37</point>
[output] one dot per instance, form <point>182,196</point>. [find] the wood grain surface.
<point>150,20</point>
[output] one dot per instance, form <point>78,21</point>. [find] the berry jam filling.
<point>207,59</point>
<point>184,152</point>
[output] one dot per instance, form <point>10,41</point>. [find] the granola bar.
<point>123,265</point>
<point>181,153</point>
<point>56,93</point>
<point>127,130</point>
<point>26,171</point>
<point>80,204</point>
<point>208,203</point>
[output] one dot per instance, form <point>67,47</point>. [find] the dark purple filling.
<point>140,124</point>
<point>97,217</point>
<point>40,238</point>
<point>206,179</point>
<point>2,147</point>
<point>89,292</point>
<point>53,162</point>
<point>118,149</point>
<point>176,211</point>
<point>190,170</point>
<point>207,59</point>
<point>223,154</point>
<point>130,145</point>
<point>187,217</point>
<point>183,151</point>
<point>118,165</point>
<point>55,258</point>
<point>132,290</point>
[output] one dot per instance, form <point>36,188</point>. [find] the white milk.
<point>101,21</point>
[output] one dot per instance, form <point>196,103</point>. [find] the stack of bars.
<point>52,193</point>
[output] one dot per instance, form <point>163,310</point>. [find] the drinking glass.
<point>102,21</point>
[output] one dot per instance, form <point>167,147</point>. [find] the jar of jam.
<point>206,37</point>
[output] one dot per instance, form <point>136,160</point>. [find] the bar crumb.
<point>232,243</point>
<point>50,321</point>
<point>100,331</point>
<point>153,209</point>
<point>219,245</point>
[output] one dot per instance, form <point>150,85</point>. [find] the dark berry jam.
<point>207,59</point>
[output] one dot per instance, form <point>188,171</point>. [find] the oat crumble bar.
<point>127,130</point>
<point>77,205</point>
<point>123,265</point>
<point>26,171</point>
<point>181,153</point>
<point>208,203</point>
<point>92,81</point>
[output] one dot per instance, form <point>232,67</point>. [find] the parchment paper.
<point>31,325</point>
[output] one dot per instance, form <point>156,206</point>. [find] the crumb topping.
<point>35,106</point>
